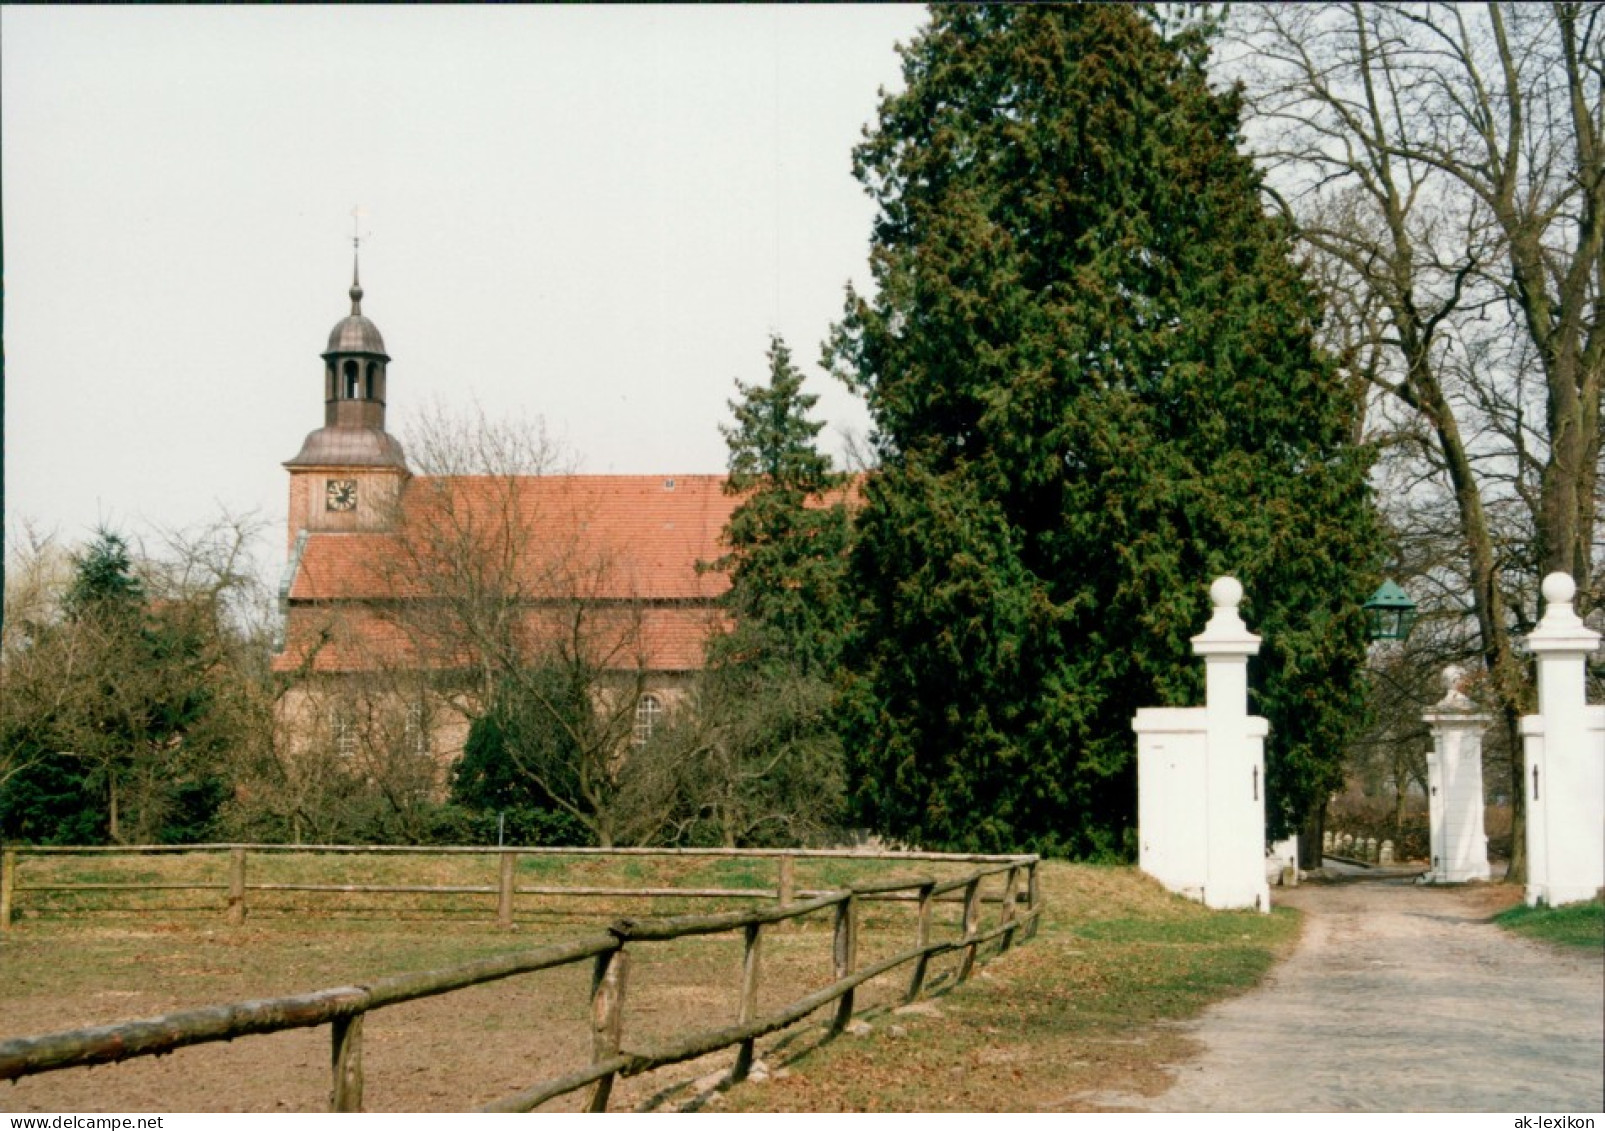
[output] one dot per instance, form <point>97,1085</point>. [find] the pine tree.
<point>767,762</point>
<point>788,537</point>
<point>103,582</point>
<point>1090,363</point>
<point>128,700</point>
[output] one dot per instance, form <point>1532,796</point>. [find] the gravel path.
<point>1404,998</point>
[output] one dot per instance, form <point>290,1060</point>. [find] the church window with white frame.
<point>415,734</point>
<point>343,732</point>
<point>648,712</point>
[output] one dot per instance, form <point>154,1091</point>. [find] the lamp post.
<point>1390,614</point>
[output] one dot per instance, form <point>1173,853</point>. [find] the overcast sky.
<point>592,215</point>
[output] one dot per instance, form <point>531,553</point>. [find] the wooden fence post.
<point>748,1008</point>
<point>1011,892</point>
<point>8,885</point>
<point>922,938</point>
<point>844,950</point>
<point>607,1017</point>
<point>788,879</point>
<point>347,1063</point>
<point>504,889</point>
<point>236,890</point>
<point>972,921</point>
<point>1033,897</point>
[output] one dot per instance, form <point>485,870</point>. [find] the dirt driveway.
<point>1403,998</point>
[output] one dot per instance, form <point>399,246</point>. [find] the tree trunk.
<point>1401,790</point>
<point>1505,673</point>
<point>1517,874</point>
<point>1311,835</point>
<point>1533,158</point>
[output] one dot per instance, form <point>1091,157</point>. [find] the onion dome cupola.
<point>353,432</point>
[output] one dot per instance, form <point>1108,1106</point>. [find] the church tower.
<point>349,473</point>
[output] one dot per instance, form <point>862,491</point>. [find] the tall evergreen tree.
<point>103,582</point>
<point>766,760</point>
<point>127,700</point>
<point>1090,364</point>
<point>788,537</point>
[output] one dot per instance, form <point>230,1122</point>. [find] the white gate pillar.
<point>1564,747</point>
<point>1201,775</point>
<point>1454,785</point>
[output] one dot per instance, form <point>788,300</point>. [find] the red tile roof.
<point>620,537</point>
<point>627,546</point>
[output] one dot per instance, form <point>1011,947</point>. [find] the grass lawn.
<point>1081,1009</point>
<point>1574,925</point>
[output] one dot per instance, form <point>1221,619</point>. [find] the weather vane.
<point>356,221</point>
<point>356,247</point>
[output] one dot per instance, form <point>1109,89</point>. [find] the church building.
<point>405,592</point>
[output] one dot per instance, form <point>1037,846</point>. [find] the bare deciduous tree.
<point>1443,165</point>
<point>132,683</point>
<point>500,584</point>
<point>757,759</point>
<point>38,571</point>
<point>352,761</point>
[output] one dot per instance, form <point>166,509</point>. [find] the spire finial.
<point>356,247</point>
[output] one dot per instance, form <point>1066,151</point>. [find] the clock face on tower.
<point>340,494</point>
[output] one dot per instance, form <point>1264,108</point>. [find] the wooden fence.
<point>343,1008</point>
<point>236,885</point>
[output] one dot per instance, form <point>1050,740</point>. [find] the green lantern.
<point>1390,614</point>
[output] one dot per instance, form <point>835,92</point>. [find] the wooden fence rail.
<point>343,1008</point>
<point>505,890</point>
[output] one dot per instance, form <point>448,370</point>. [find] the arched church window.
<point>415,734</point>
<point>373,368</point>
<point>351,376</point>
<point>343,731</point>
<point>648,711</point>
